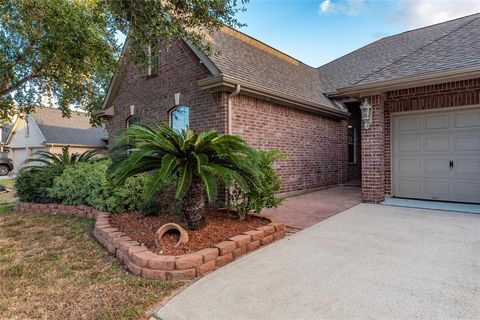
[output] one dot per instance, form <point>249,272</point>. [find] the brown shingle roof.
<point>245,58</point>
<point>444,46</point>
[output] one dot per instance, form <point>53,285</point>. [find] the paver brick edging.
<point>139,260</point>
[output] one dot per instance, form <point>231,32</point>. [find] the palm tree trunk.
<point>193,205</point>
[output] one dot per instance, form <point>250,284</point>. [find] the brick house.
<point>422,88</point>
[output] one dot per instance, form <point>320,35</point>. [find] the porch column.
<point>373,153</point>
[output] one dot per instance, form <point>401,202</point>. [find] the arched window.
<point>131,120</point>
<point>180,118</point>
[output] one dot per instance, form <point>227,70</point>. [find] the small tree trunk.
<point>193,205</point>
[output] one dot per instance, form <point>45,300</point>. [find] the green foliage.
<point>67,51</point>
<point>194,161</point>
<point>170,155</point>
<point>61,49</point>
<point>256,198</point>
<point>149,207</point>
<point>32,185</point>
<point>149,21</point>
<point>87,183</point>
<point>61,160</point>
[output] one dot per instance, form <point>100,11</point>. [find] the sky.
<point>318,31</point>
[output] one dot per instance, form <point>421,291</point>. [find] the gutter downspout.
<point>229,109</point>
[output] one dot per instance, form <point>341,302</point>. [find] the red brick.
<point>188,261</point>
<point>136,270</point>
<point>162,263</point>
<point>206,268</point>
<point>268,230</point>
<point>241,240</point>
<point>177,275</point>
<point>239,252</point>
<point>279,235</point>
<point>226,247</point>
<point>141,258</point>
<point>278,226</point>
<point>122,256</point>
<point>313,143</point>
<point>136,249</point>
<point>223,260</point>
<point>255,234</point>
<point>208,254</point>
<point>125,245</point>
<point>266,240</point>
<point>253,245</point>
<point>154,274</point>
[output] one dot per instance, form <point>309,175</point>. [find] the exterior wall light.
<point>366,109</point>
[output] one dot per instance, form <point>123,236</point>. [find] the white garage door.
<point>19,156</point>
<point>436,155</point>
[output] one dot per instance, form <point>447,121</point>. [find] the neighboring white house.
<point>46,129</point>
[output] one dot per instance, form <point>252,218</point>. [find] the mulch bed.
<point>220,225</point>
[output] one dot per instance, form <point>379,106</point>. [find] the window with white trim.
<point>180,118</point>
<point>132,120</point>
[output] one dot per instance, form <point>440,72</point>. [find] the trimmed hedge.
<point>32,184</point>
<point>87,183</point>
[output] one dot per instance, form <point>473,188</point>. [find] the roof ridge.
<point>269,46</point>
<point>432,25</point>
<point>422,47</point>
<point>59,110</point>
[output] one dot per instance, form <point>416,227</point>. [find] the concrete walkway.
<point>369,262</point>
<point>305,210</point>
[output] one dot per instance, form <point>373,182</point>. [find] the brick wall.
<point>376,169</point>
<point>373,154</point>
<point>316,145</point>
<point>445,95</point>
<point>178,71</point>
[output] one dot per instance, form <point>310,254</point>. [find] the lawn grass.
<point>52,268</point>
<point>8,182</point>
<point>8,197</point>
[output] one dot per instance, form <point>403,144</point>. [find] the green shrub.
<point>263,196</point>
<point>32,185</point>
<point>87,183</point>
<point>149,207</point>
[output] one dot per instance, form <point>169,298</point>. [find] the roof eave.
<point>224,82</point>
<point>409,82</point>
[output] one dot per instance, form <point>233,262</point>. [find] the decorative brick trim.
<point>145,263</point>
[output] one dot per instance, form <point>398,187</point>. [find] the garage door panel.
<point>467,167</point>
<point>409,143</point>
<point>408,123</point>
<point>409,167</point>
<point>437,167</point>
<point>467,119</point>
<point>466,191</point>
<point>437,143</point>
<point>409,188</point>
<point>423,146</point>
<point>436,189</point>
<point>440,121</point>
<point>467,142</point>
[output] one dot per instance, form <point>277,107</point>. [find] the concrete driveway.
<point>369,262</point>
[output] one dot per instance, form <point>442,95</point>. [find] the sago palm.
<point>60,160</point>
<point>194,161</point>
